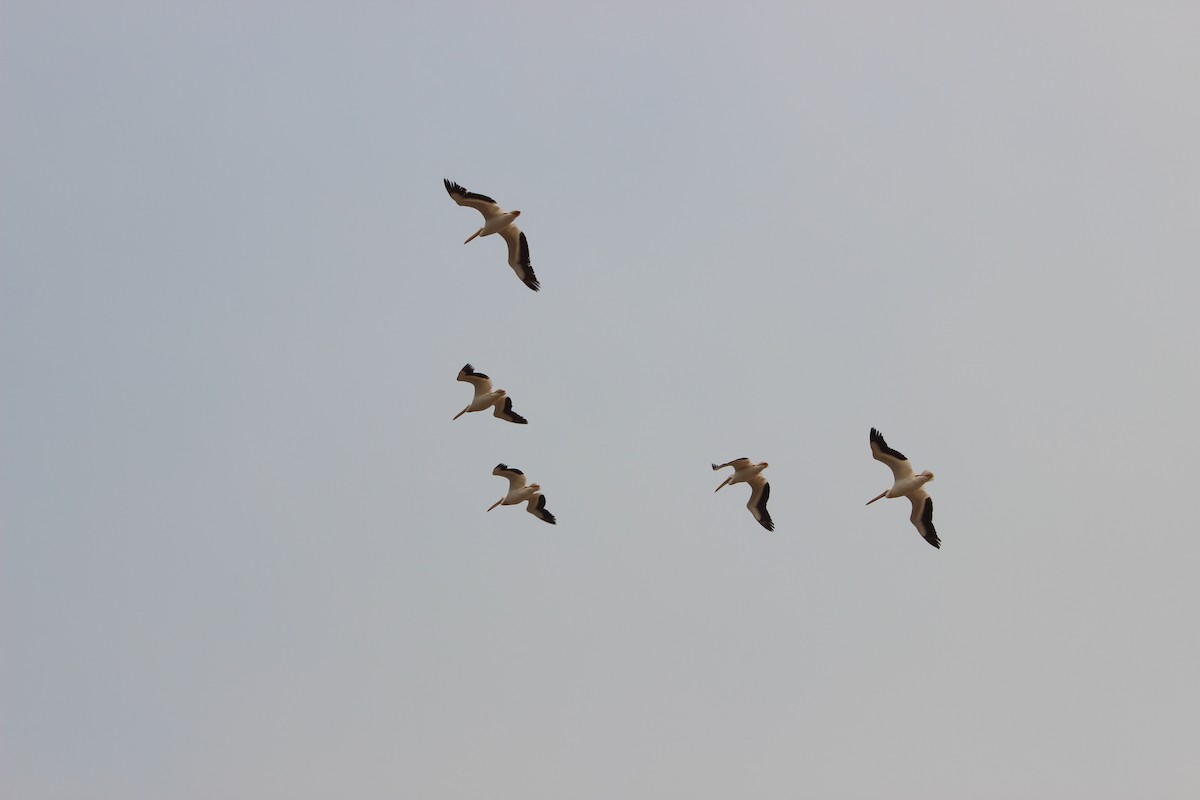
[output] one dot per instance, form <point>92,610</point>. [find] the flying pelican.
<point>907,485</point>
<point>518,493</point>
<point>497,220</point>
<point>746,472</point>
<point>486,398</point>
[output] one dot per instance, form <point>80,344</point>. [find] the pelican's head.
<point>514,214</point>
<point>927,475</point>
<point>500,393</point>
<point>536,487</point>
<point>764,465</point>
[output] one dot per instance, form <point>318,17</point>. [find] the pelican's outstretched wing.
<point>901,469</point>
<point>518,256</point>
<point>537,507</point>
<point>504,411</point>
<point>480,202</point>
<point>516,478</point>
<point>737,463</point>
<point>761,492</point>
<point>922,517</point>
<point>481,382</point>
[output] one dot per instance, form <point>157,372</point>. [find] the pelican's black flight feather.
<point>926,527</point>
<point>764,516</point>
<point>454,190</point>
<point>469,370</point>
<point>877,438</point>
<point>508,414</point>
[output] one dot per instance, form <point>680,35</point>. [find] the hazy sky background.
<point>244,551</point>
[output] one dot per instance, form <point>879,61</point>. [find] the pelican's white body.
<point>497,224</point>
<point>744,474</point>
<point>517,496</point>
<point>907,487</point>
<point>485,401</point>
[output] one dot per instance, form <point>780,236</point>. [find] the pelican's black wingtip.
<point>530,279</point>
<point>507,414</point>
<point>877,439</point>
<point>540,511</point>
<point>764,515</point>
<point>930,532</point>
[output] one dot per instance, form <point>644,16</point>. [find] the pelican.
<point>497,220</point>
<point>485,398</point>
<point>907,485</point>
<point>744,471</point>
<point>518,492</point>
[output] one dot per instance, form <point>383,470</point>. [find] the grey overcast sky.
<point>244,552</point>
